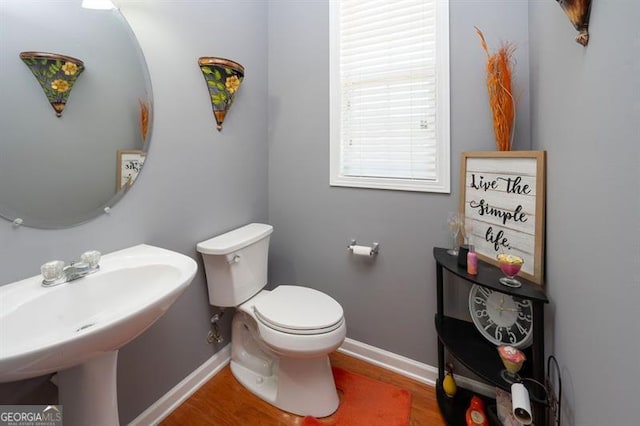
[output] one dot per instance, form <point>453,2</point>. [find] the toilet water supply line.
<point>214,334</point>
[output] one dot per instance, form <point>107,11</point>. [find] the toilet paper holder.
<point>373,250</point>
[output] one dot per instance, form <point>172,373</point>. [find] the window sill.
<point>415,185</point>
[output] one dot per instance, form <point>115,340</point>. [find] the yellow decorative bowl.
<point>512,358</point>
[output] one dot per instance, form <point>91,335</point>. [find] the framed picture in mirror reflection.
<point>130,162</point>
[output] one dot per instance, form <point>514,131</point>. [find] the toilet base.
<point>298,380</point>
<point>304,386</point>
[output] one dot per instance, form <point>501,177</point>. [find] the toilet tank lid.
<point>235,240</point>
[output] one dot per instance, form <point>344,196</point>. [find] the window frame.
<point>442,183</point>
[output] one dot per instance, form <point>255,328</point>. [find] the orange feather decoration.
<point>499,86</point>
<point>144,119</point>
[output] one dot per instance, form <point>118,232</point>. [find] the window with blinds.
<point>389,94</point>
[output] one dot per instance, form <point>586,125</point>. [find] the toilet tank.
<point>235,264</point>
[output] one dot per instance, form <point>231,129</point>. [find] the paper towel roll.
<point>521,403</point>
<point>361,250</point>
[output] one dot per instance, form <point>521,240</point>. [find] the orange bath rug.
<point>366,402</point>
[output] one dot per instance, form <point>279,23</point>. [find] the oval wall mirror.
<point>59,171</point>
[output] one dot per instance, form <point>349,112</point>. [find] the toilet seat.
<point>298,310</point>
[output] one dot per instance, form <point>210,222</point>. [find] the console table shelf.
<point>489,276</point>
<point>463,341</point>
<point>453,410</point>
<point>474,352</point>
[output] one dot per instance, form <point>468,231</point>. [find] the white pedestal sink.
<point>76,328</point>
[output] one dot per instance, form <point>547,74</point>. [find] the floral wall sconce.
<point>56,74</point>
<point>223,78</point>
<point>578,12</point>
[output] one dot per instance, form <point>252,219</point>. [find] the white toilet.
<point>280,339</point>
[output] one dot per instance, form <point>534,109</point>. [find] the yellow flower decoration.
<point>69,68</point>
<point>60,85</point>
<point>232,83</point>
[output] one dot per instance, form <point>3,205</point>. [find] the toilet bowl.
<point>280,338</point>
<point>285,361</point>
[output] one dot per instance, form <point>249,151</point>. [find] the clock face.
<point>500,318</point>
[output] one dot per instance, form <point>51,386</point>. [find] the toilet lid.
<point>299,310</point>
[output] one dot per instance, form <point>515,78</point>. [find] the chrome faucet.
<point>55,272</point>
<point>77,270</point>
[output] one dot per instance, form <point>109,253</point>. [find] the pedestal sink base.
<point>88,392</point>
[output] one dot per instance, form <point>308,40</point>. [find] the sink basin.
<point>85,322</point>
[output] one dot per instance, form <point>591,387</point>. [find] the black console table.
<point>463,341</point>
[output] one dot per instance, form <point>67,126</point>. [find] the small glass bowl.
<point>510,265</point>
<point>512,358</point>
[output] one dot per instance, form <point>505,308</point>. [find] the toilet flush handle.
<point>233,258</point>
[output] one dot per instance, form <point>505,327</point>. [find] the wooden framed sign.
<point>130,162</point>
<point>503,202</point>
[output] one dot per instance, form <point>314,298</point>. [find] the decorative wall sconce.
<point>578,12</point>
<point>223,78</point>
<point>55,73</point>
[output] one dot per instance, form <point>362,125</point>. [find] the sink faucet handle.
<point>53,270</point>
<point>91,257</point>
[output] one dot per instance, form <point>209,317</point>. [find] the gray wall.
<point>585,109</point>
<point>197,182</point>
<point>389,303</point>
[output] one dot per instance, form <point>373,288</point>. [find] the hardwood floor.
<point>222,401</point>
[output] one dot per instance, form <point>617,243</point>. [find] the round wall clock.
<point>502,319</point>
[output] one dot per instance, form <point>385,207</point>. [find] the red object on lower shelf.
<point>476,415</point>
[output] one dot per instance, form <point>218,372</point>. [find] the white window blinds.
<point>385,93</point>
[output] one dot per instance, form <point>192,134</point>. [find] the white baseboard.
<point>399,364</point>
<point>407,367</point>
<point>183,390</point>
